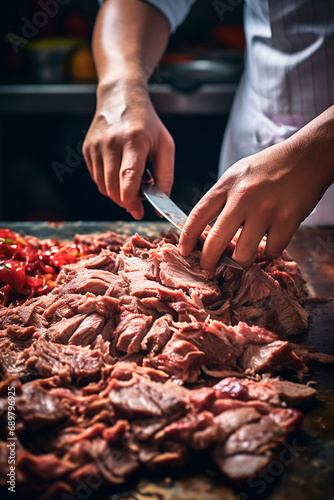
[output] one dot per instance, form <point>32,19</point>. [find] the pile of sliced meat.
<point>104,366</point>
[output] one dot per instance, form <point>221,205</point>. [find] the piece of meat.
<point>61,308</point>
<point>273,391</point>
<point>110,240</point>
<point>186,274</point>
<point>17,332</point>
<point>105,306</point>
<point>88,330</point>
<point>158,335</point>
<point>85,280</point>
<point>38,409</point>
<point>231,420</point>
<point>273,357</point>
<point>10,362</point>
<point>130,331</point>
<point>259,299</point>
<point>146,398</point>
<point>43,468</point>
<point>238,468</point>
<point>180,359</point>
<point>69,363</point>
<point>62,331</point>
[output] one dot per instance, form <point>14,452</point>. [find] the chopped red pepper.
<point>29,267</point>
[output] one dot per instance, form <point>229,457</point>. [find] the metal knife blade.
<point>168,209</point>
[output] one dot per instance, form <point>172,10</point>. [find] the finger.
<point>112,164</point>
<point>98,173</point>
<point>163,165</point>
<point>219,237</point>
<point>205,211</point>
<point>131,172</point>
<point>248,243</point>
<point>278,238</point>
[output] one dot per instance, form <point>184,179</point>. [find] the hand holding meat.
<point>270,193</point>
<point>124,133</point>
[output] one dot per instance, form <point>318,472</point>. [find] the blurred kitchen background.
<point>47,101</point>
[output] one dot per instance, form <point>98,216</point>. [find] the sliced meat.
<point>110,240</point>
<point>277,356</point>
<point>10,362</point>
<point>141,397</point>
<point>238,468</point>
<point>69,363</point>
<point>88,330</point>
<point>38,409</point>
<point>158,335</point>
<point>180,359</point>
<point>130,331</point>
<point>62,331</point>
<point>274,391</point>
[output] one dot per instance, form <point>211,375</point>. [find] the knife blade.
<point>170,211</point>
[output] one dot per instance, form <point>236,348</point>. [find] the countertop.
<point>79,99</point>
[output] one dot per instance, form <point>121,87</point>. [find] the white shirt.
<point>288,78</point>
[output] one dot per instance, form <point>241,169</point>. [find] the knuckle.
<point>170,142</point>
<point>129,174</point>
<point>245,259</point>
<point>95,144</point>
<point>273,252</point>
<point>283,219</point>
<point>86,149</point>
<point>247,190</point>
<point>273,255</point>
<point>110,140</point>
<point>135,135</point>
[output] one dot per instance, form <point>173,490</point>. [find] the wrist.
<point>122,88</point>
<point>313,147</point>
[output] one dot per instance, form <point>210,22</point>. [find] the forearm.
<point>129,38</point>
<point>313,146</point>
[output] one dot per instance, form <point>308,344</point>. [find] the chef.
<point>277,159</point>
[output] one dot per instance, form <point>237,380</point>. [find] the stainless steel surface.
<point>168,209</point>
<point>80,99</point>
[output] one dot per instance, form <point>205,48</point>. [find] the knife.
<point>168,209</point>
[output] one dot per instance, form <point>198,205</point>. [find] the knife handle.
<point>147,178</point>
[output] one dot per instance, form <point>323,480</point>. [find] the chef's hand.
<point>125,132</point>
<point>270,193</point>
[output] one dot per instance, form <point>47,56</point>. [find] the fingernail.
<point>136,215</point>
<point>183,251</point>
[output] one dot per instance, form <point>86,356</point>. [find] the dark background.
<point>29,143</point>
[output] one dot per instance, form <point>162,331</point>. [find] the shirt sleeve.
<point>174,10</point>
